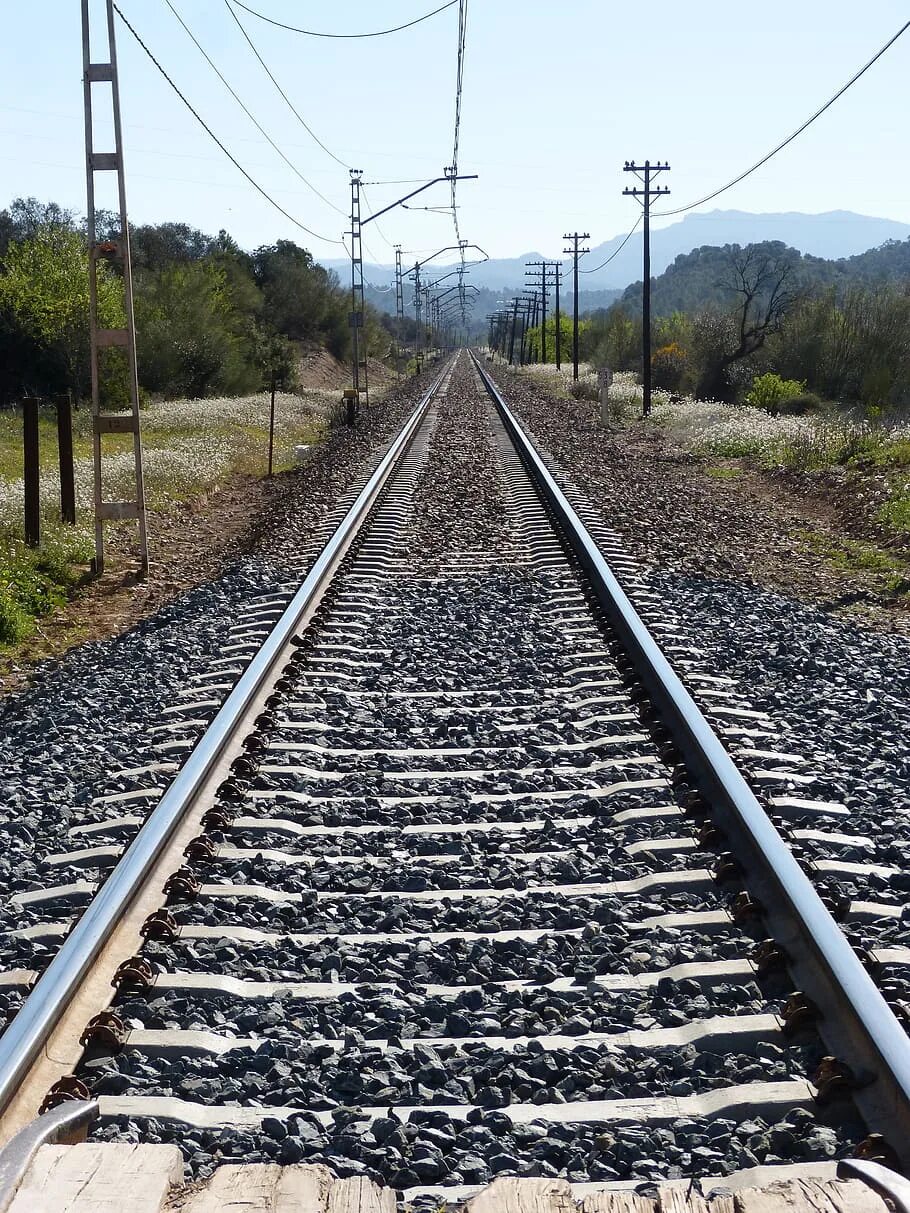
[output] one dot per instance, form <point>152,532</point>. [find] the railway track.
<point>460,882</point>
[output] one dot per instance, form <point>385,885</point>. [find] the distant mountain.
<point>697,279</point>
<point>831,235</point>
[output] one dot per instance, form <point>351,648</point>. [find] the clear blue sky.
<point>556,97</point>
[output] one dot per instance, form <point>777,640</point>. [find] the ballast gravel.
<point>91,715</point>
<point>494,636</point>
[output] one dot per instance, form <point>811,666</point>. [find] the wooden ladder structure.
<point>116,251</point>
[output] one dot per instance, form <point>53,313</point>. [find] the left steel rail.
<point>27,1035</point>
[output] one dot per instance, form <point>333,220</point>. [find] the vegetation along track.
<point>471,886</point>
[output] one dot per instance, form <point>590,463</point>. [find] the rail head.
<point>27,1034</point>
<point>858,1022</point>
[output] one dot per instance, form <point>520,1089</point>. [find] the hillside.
<point>830,235</point>
<point>696,280</point>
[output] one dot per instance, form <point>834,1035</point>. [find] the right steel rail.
<point>857,1023</point>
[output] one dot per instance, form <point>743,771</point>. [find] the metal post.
<point>399,310</point>
<point>272,427</point>
<point>30,471</point>
<point>65,459</point>
<point>358,334</point>
<point>102,338</point>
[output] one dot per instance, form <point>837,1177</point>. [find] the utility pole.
<point>358,336</point>
<point>558,274</point>
<point>417,341</point>
<point>541,267</point>
<point>575,237</point>
<point>512,335</point>
<point>399,310</point>
<point>644,173</point>
<point>104,339</point>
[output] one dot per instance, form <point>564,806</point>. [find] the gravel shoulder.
<point>684,514</point>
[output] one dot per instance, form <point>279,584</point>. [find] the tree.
<point>44,296</point>
<point>191,340</point>
<point>759,275</point>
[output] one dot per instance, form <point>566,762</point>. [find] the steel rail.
<point>28,1032</point>
<point>856,1018</point>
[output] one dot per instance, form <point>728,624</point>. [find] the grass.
<point>723,472</point>
<point>190,448</point>
<point>853,556</point>
<point>896,513</point>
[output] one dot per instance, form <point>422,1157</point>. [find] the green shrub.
<point>15,624</point>
<point>768,391</point>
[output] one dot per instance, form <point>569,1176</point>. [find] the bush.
<point>583,389</point>
<point>770,390</point>
<point>670,367</point>
<point>797,406</point>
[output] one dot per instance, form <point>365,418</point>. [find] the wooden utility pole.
<point>575,237</point>
<point>557,268</point>
<point>31,472</point>
<point>645,172</point>
<point>515,302</point>
<point>65,459</point>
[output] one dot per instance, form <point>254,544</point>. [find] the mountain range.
<point>831,235</point>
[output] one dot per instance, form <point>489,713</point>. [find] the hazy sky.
<point>556,97</point>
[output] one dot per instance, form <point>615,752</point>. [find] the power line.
<point>376,33</point>
<point>287,99</point>
<point>799,130</point>
<point>208,130</point>
<point>616,251</point>
<point>258,125</point>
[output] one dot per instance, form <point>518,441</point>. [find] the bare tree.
<point>762,280</point>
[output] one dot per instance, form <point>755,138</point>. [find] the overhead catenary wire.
<point>309,130</point>
<point>258,125</point>
<point>208,130</point>
<point>376,33</point>
<point>617,250</point>
<point>679,210</point>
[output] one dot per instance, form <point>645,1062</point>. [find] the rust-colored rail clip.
<point>106,1029</point>
<point>726,867</point>
<point>182,885</point>
<point>710,835</point>
<point>217,818</point>
<point>769,957</point>
<point>65,1090</point>
<point>875,1148</point>
<point>695,805</point>
<point>799,1012</point>
<point>160,925</point>
<point>833,1080</point>
<point>232,790</point>
<point>744,906</point>
<point>134,971</point>
<point>201,849</point>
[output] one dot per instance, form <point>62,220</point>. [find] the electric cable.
<point>616,251</point>
<point>799,130</point>
<point>258,125</point>
<point>376,33</point>
<point>208,130</point>
<point>287,99</point>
